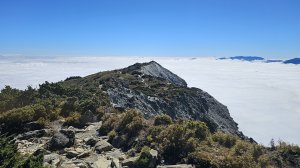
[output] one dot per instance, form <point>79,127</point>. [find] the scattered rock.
<point>69,165</point>
<point>71,154</point>
<point>129,162</point>
<point>52,159</point>
<point>79,150</point>
<point>83,154</point>
<point>117,153</point>
<point>103,146</point>
<point>102,162</point>
<point>115,163</point>
<point>31,126</point>
<point>90,141</point>
<point>33,134</point>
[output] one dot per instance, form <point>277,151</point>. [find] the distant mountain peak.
<point>244,58</point>
<point>292,61</point>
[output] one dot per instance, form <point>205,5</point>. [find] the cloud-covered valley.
<point>263,98</point>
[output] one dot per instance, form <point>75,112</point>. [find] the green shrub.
<point>201,159</point>
<point>264,161</point>
<point>31,162</point>
<point>131,123</point>
<point>241,148</point>
<point>18,115</point>
<point>89,105</point>
<point>197,129</point>
<point>8,152</point>
<point>15,118</point>
<point>69,106</point>
<point>100,111</point>
<point>163,120</point>
<point>111,135</point>
<point>257,151</point>
<point>224,139</point>
<point>10,158</point>
<point>144,159</point>
<point>286,149</point>
<point>39,111</point>
<point>153,132</point>
<point>73,119</point>
<point>109,123</point>
<point>178,140</point>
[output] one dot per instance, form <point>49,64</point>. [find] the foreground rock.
<point>103,146</point>
<point>62,139</point>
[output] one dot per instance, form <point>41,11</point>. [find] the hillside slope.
<point>155,90</point>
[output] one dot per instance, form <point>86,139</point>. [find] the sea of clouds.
<point>263,98</point>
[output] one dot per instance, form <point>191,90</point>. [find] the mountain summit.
<point>156,70</point>
<point>154,90</point>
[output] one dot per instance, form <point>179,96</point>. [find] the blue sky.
<point>269,28</point>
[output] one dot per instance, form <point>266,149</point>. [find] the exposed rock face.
<point>154,69</point>
<point>159,91</point>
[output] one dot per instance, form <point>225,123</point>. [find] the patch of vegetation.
<point>144,159</point>
<point>190,142</point>
<point>163,120</point>
<point>10,158</point>
<point>73,77</point>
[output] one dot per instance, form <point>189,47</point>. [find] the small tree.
<point>272,143</point>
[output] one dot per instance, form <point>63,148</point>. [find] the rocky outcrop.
<point>156,70</point>
<point>158,91</point>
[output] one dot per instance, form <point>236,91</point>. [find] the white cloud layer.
<point>264,99</point>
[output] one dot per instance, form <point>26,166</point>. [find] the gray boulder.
<point>33,134</point>
<point>31,126</point>
<point>71,154</point>
<point>154,155</point>
<point>62,139</point>
<point>51,160</point>
<point>103,146</point>
<point>90,141</point>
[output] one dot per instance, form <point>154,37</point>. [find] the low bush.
<point>177,140</point>
<point>73,119</point>
<point>225,140</point>
<point>18,116</point>
<point>163,120</point>
<point>288,149</point>
<point>144,159</point>
<point>109,123</point>
<point>131,122</point>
